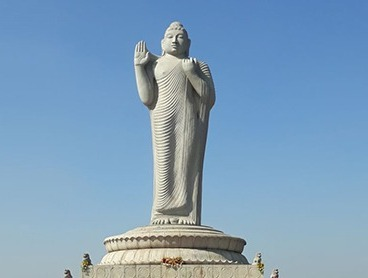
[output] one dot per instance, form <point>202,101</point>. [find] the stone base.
<point>192,244</point>
<point>173,251</point>
<point>183,271</point>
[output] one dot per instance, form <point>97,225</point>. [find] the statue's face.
<point>176,43</point>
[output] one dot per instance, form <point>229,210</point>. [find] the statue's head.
<point>176,41</point>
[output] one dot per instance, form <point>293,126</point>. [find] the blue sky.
<point>286,160</point>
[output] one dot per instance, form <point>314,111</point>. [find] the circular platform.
<point>193,244</point>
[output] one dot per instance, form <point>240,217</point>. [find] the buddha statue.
<point>179,93</point>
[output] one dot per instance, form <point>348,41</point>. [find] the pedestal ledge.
<point>184,271</point>
<point>194,244</point>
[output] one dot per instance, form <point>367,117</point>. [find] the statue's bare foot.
<point>173,221</point>
<point>160,221</point>
<point>186,221</point>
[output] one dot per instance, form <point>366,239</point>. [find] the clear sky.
<point>286,163</point>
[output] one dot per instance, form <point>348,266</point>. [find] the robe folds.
<point>179,121</point>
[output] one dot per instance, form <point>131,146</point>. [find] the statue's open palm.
<point>141,54</point>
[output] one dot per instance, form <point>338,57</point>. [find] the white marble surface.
<point>178,91</point>
<point>194,244</point>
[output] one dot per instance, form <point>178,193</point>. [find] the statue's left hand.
<point>190,65</point>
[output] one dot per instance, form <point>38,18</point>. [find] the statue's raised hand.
<point>189,65</point>
<point>141,54</point>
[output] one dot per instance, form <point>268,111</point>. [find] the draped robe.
<point>179,121</point>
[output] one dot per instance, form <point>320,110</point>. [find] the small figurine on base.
<point>86,262</point>
<point>258,262</point>
<point>67,274</point>
<point>275,273</point>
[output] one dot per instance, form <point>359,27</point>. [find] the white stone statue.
<point>178,91</point>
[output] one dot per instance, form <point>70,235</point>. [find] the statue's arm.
<point>143,67</point>
<point>200,77</point>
